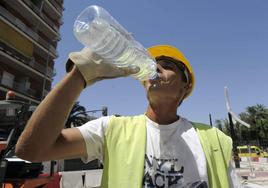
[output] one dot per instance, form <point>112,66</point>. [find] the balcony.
<point>15,21</point>
<point>19,87</point>
<point>48,46</point>
<point>56,5</point>
<point>21,26</point>
<point>26,60</point>
<point>40,14</point>
<point>14,53</point>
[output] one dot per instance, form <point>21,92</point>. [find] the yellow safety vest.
<point>125,143</point>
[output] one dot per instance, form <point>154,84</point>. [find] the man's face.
<point>170,84</point>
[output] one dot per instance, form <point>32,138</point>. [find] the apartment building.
<point>29,32</point>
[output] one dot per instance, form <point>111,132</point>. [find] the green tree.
<point>77,117</point>
<point>257,117</point>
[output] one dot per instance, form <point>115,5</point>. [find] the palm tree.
<point>257,117</point>
<point>77,116</point>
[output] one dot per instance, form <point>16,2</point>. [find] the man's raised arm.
<point>44,137</point>
<point>44,133</point>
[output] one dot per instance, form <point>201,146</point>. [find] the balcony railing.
<point>47,45</point>
<point>16,86</point>
<point>56,5</point>
<point>20,25</point>
<point>11,51</point>
<point>26,60</point>
<point>40,14</point>
<point>39,67</point>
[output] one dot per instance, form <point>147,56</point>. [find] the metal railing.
<point>14,53</point>
<point>40,68</point>
<point>47,46</point>
<point>56,5</point>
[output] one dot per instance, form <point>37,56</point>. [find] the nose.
<point>159,68</point>
<point>162,74</point>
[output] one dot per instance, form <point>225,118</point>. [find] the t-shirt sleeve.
<point>93,133</point>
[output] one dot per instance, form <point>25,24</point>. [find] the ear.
<point>187,89</point>
<point>183,92</point>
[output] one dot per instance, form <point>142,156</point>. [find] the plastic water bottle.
<point>98,30</point>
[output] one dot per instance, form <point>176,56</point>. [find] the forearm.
<point>46,123</point>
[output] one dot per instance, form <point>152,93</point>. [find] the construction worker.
<point>155,149</point>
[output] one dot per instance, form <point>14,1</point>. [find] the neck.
<point>162,113</point>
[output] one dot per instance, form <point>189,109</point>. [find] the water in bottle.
<point>97,30</point>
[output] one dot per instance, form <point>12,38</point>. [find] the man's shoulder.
<point>200,126</point>
<point>127,125</point>
<point>126,118</point>
<point>119,121</point>
<point>107,119</point>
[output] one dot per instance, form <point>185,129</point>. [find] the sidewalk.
<point>256,175</point>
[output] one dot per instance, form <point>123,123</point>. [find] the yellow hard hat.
<point>170,51</point>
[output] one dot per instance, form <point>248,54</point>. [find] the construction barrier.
<point>87,179</point>
<point>254,159</point>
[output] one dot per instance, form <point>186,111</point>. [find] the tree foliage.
<point>77,116</point>
<point>256,116</point>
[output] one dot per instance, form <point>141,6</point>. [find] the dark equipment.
<point>13,118</point>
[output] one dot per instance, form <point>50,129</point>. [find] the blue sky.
<point>226,42</point>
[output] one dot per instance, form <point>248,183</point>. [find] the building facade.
<point>29,32</point>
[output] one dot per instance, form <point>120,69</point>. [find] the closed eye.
<point>168,67</point>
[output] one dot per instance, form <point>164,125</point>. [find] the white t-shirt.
<point>174,155</point>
